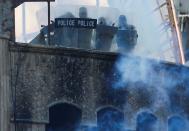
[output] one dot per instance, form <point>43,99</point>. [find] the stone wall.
<point>42,77</point>
<point>47,76</point>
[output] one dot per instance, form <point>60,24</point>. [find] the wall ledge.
<point>53,50</point>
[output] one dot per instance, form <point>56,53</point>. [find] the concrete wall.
<point>45,76</point>
<point>48,76</point>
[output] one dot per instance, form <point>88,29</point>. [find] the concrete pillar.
<point>4,86</point>
<point>7,29</point>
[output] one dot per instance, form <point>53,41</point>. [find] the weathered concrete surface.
<point>47,76</point>
<point>7,29</point>
<point>5,93</point>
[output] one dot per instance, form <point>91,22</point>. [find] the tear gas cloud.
<point>163,84</point>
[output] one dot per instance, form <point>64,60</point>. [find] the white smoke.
<point>152,41</point>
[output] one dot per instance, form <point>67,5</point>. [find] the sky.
<point>149,24</point>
